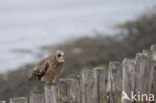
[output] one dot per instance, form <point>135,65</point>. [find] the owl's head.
<point>59,56</point>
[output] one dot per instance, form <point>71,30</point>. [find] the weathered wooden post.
<point>144,77</point>
<point>50,93</point>
<point>36,97</point>
<point>94,86</point>
<point>74,90</point>
<point>89,87</point>
<point>18,100</point>
<point>54,94</point>
<point>2,101</point>
<point>63,93</point>
<point>129,76</point>
<point>114,82</point>
<point>153,56</point>
<point>47,93</point>
<point>153,49</point>
<point>100,80</point>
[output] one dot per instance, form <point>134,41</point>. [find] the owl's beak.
<point>62,59</point>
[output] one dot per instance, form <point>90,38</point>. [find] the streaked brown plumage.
<point>49,68</point>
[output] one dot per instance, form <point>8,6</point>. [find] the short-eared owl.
<point>49,68</point>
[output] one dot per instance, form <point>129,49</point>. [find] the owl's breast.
<point>53,72</point>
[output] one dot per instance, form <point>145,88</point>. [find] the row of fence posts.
<point>98,86</point>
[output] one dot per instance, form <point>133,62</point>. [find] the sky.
<point>26,25</point>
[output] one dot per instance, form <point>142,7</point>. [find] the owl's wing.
<point>41,68</point>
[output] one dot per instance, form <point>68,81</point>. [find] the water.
<point>25,25</point>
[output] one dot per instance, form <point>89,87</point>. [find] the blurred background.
<point>91,33</point>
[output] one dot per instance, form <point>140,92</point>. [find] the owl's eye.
<point>59,55</point>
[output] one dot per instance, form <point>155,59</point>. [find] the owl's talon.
<point>53,82</point>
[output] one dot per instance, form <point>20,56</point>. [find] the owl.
<point>48,68</point>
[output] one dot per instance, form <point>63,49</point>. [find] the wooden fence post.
<point>2,101</point>
<point>54,94</point>
<point>114,82</point>
<point>66,91</point>
<point>62,91</point>
<point>50,93</point>
<point>74,90</point>
<point>47,93</point>
<point>36,97</point>
<point>153,56</point>
<point>18,100</point>
<point>69,90</point>
<point>100,80</point>
<point>128,84</point>
<point>89,87</point>
<point>144,73</point>
<point>153,49</point>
